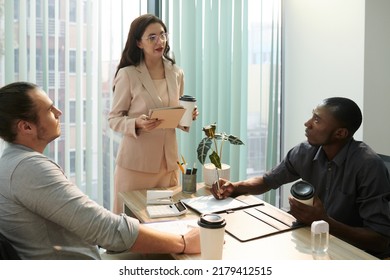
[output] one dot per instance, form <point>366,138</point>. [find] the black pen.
<point>194,169</point>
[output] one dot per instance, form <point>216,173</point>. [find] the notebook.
<point>170,116</point>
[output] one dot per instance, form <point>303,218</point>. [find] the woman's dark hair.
<point>346,111</point>
<point>132,54</point>
<point>16,105</point>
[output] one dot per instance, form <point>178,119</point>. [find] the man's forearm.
<point>253,185</point>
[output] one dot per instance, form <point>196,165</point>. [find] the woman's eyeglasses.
<point>153,38</point>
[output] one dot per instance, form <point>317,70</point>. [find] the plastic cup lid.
<point>302,190</point>
<point>187,98</point>
<point>211,221</point>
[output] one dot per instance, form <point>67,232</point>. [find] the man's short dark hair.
<point>346,111</point>
<point>16,105</point>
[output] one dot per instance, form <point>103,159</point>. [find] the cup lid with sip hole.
<point>211,221</point>
<point>188,98</point>
<point>302,190</point>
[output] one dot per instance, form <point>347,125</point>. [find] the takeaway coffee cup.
<point>303,192</point>
<point>188,102</point>
<point>212,233</point>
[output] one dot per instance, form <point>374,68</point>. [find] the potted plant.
<point>210,143</point>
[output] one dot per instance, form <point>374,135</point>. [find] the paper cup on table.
<point>212,236</point>
<point>188,102</point>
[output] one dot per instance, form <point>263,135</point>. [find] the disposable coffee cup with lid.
<point>303,192</point>
<point>188,102</point>
<point>212,233</point>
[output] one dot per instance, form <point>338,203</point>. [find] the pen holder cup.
<point>188,183</point>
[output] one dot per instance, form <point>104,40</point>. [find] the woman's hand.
<point>195,113</point>
<point>146,124</point>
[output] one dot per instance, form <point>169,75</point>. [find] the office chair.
<point>7,252</point>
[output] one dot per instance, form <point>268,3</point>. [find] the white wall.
<point>329,50</point>
<point>323,57</point>
<point>377,76</point>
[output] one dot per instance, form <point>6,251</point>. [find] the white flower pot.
<point>210,174</point>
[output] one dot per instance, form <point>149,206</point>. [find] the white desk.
<point>290,245</point>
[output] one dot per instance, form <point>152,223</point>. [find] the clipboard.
<point>257,222</point>
<point>246,216</point>
<point>170,116</point>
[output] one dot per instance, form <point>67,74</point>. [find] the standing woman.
<point>146,78</point>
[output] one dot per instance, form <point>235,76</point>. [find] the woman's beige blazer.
<point>134,94</point>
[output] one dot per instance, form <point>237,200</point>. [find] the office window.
<point>16,9</point>
<point>84,61</point>
<point>61,57</point>
<point>16,60</point>
<point>38,56</point>
<point>51,60</point>
<point>72,155</point>
<point>72,10</point>
<point>72,61</point>
<point>38,8</point>
<point>52,9</point>
<point>72,112</point>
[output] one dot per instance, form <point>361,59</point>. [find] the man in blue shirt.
<point>352,185</point>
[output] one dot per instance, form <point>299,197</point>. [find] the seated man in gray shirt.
<point>352,184</point>
<point>42,213</point>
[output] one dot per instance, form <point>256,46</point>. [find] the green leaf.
<point>234,140</point>
<point>214,158</point>
<point>203,148</point>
